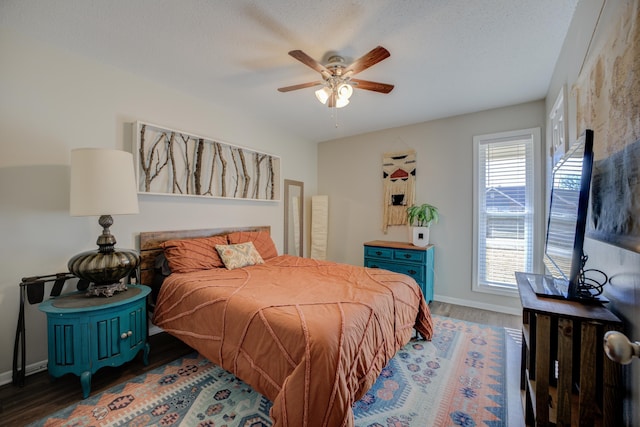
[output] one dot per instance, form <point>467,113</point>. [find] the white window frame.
<point>538,206</point>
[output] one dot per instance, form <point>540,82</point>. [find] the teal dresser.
<point>88,333</point>
<point>403,258</point>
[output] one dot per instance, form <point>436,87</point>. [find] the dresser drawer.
<point>404,258</point>
<point>376,252</point>
<point>413,271</point>
<point>408,255</point>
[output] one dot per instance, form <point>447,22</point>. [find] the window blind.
<point>505,210</point>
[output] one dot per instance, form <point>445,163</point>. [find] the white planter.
<point>420,236</point>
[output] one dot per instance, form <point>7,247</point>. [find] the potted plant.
<point>420,218</point>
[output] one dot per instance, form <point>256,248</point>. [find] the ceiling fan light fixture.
<point>344,91</point>
<point>323,94</point>
<point>341,102</point>
<point>337,82</point>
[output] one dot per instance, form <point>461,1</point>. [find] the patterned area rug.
<point>457,379</point>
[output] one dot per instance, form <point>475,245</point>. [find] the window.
<point>508,229</point>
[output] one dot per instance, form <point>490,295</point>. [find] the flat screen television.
<point>566,222</point>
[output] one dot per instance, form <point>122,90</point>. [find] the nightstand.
<point>405,258</point>
<point>88,333</point>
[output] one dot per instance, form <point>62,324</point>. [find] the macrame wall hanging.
<point>399,176</point>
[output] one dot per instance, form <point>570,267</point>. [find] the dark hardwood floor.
<point>41,396</point>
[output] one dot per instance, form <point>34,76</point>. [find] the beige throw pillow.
<point>239,255</point>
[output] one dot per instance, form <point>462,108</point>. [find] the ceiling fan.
<point>337,77</point>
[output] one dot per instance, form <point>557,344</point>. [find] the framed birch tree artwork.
<point>178,163</point>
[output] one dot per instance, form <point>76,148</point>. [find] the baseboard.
<point>481,305</point>
<point>153,329</point>
<point>34,368</point>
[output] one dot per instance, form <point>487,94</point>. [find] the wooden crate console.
<point>565,378</point>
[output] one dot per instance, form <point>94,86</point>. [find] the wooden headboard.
<point>151,241</point>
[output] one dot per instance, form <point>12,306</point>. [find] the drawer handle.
<point>412,272</point>
<point>407,256</point>
<point>378,253</point>
<point>126,335</point>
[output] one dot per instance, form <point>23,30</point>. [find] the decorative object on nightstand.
<point>86,334</point>
<point>404,258</point>
<point>103,183</point>
<point>420,218</point>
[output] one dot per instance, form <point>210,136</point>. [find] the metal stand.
<point>32,289</point>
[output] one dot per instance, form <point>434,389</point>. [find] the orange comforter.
<point>312,336</point>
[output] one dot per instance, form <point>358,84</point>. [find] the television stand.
<point>565,378</point>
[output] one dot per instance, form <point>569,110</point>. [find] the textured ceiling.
<point>447,57</point>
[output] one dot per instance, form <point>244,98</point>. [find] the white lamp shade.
<point>345,91</point>
<point>341,102</point>
<point>323,94</point>
<point>102,183</point>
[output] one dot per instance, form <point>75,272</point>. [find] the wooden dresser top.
<point>396,245</point>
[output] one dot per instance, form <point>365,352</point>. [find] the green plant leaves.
<point>422,215</point>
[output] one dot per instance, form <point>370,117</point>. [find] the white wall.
<point>52,101</point>
<point>350,172</point>
<point>622,266</point>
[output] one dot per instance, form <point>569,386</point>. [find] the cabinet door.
<point>107,336</point>
<point>68,339</point>
<point>137,326</point>
<point>119,333</point>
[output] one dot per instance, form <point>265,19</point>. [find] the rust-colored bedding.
<point>312,336</point>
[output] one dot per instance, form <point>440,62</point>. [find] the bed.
<point>312,336</point>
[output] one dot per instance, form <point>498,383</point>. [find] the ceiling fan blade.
<point>374,86</point>
<point>310,62</point>
<point>300,86</point>
<point>372,58</point>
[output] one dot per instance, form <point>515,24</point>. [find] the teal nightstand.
<point>88,333</point>
<point>404,258</point>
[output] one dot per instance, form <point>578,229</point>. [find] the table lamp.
<point>103,184</point>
